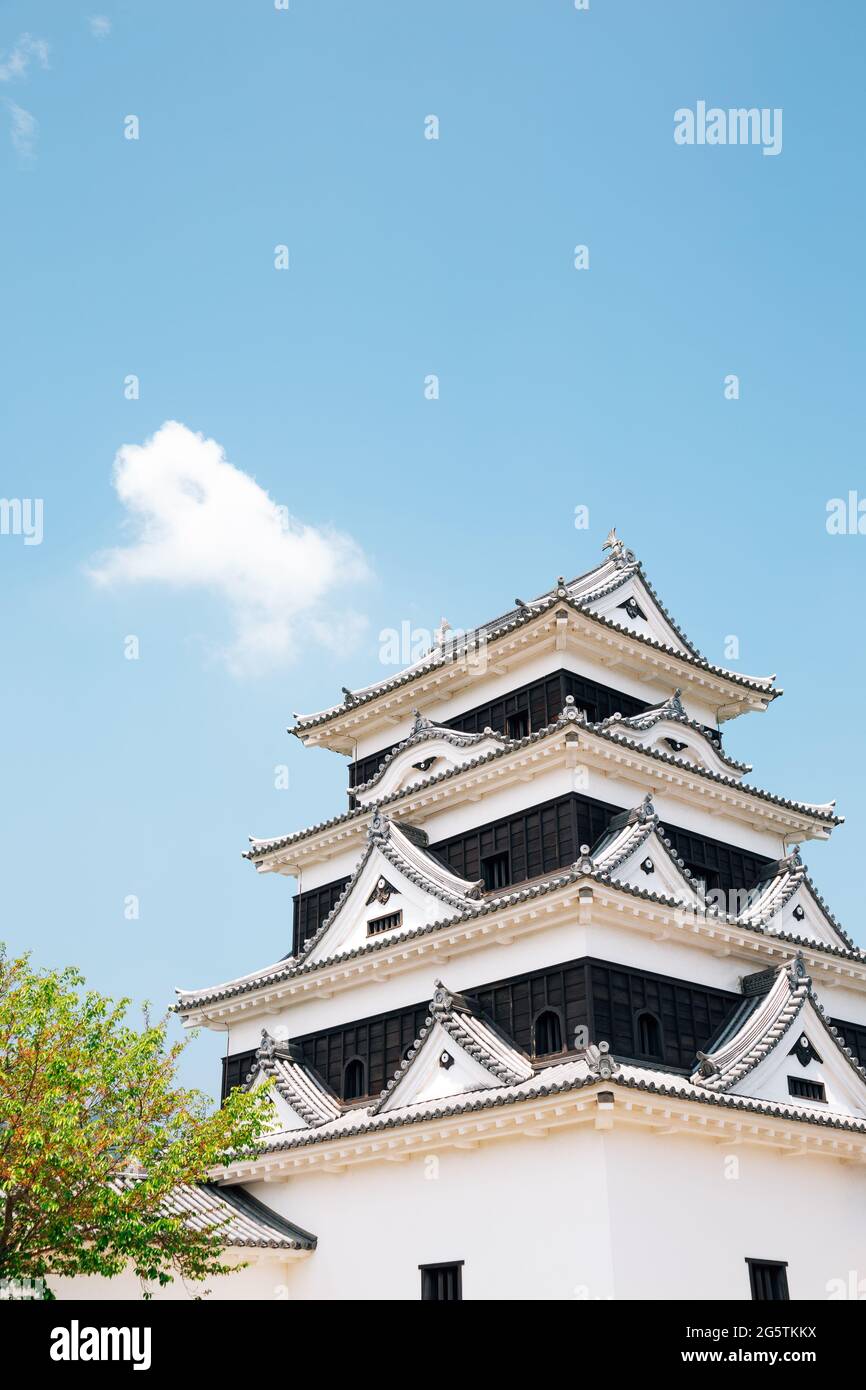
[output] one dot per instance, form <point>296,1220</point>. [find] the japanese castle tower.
<point>565,1015</point>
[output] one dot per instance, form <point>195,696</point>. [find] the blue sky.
<point>408,257</point>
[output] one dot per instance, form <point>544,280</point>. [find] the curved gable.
<point>429,750</point>
<point>397,887</point>
<point>781,1047</point>
<point>457,1051</point>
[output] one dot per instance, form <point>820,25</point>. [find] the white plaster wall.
<point>488,686</point>
<point>538,949</point>
<point>685,1213</point>
<point>544,785</point>
<point>580,1215</point>
<point>529,1218</point>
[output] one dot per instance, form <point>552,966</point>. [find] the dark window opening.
<point>236,1069</point>
<point>768,1280</point>
<point>495,871</point>
<point>547,1034</point>
<point>649,1036</point>
<point>354,1080</point>
<point>389,922</point>
<point>806,1090</point>
<point>547,837</point>
<point>709,880</point>
<point>517,725</point>
<point>442,1283</point>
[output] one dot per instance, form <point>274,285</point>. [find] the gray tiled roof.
<point>422,869</point>
<point>605,729</point>
<point>243,1221</point>
<point>601,866</point>
<point>299,1086</point>
<point>471,1031</point>
<point>574,1074</point>
<point>424,731</point>
<point>672,711</point>
<point>778,885</point>
<point>576,594</point>
<point>764,1028</point>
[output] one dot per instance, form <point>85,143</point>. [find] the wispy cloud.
<point>24,129</point>
<point>15,64</point>
<point>201,523</point>
<point>100,26</point>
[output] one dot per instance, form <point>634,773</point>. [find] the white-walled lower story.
<point>580,1214</point>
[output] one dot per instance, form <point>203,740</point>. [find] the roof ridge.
<point>820,810</point>
<point>539,1085</point>
<point>446,1009</point>
<point>626,565</point>
<point>584,866</point>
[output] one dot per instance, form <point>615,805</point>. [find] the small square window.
<point>768,1280</point>
<point>442,1283</point>
<point>806,1090</point>
<point>390,922</point>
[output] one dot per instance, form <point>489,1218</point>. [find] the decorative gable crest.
<point>457,1050</point>
<point>749,1061</point>
<point>394,863</point>
<point>382,892</point>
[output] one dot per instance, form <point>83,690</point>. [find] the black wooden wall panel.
<point>854,1036</point>
<point>380,1042</point>
<point>540,841</point>
<point>309,910</point>
<point>605,998</point>
<point>542,700</point>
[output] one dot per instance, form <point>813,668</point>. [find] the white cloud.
<point>26,50</point>
<point>100,26</point>
<point>13,67</point>
<point>201,523</point>
<point>24,129</point>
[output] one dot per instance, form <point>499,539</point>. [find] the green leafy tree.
<point>96,1135</point>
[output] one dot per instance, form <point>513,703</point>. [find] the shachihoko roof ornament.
<point>599,1061</point>
<point>618,552</point>
<point>581,593</point>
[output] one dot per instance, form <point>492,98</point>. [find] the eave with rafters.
<point>556,622</point>
<point>598,1104</point>
<point>563,746</point>
<point>581,901</point>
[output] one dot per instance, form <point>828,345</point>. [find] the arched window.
<point>354,1080</point>
<point>649,1036</point>
<point>547,1034</point>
